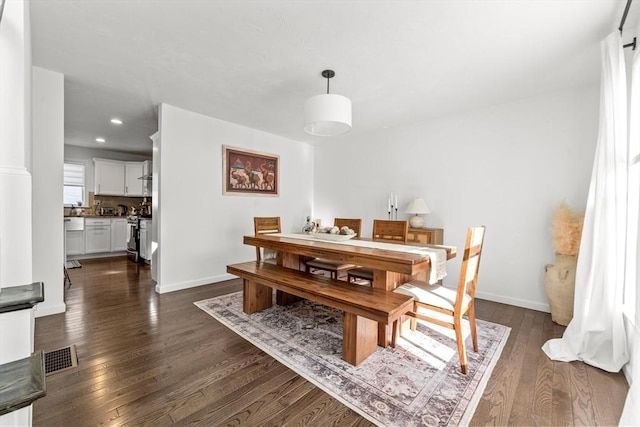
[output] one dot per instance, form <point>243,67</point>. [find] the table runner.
<point>437,256</point>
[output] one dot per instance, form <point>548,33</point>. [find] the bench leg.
<point>387,280</point>
<point>359,338</point>
<point>255,297</point>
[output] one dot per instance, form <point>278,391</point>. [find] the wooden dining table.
<point>392,264</point>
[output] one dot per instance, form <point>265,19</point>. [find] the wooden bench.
<point>363,307</point>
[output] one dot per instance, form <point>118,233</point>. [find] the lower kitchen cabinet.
<point>74,242</point>
<point>102,236</point>
<point>73,236</point>
<point>97,236</point>
<point>118,234</point>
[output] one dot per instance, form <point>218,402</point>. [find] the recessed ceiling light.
<point>116,121</point>
<point>101,140</point>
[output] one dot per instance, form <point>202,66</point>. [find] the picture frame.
<point>247,172</point>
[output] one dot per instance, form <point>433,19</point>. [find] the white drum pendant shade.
<point>327,115</point>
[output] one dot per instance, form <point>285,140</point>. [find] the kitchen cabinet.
<point>74,236</point>
<point>109,177</point>
<point>145,239</point>
<point>117,178</point>
<point>118,234</point>
<point>426,236</point>
<point>75,242</point>
<point>133,186</point>
<point>97,234</point>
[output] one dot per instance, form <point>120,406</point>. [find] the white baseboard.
<point>96,255</point>
<point>48,310</point>
<point>514,301</point>
<point>162,289</point>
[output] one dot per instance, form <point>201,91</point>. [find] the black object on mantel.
<point>22,382</point>
<point>21,297</point>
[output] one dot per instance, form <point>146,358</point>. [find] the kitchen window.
<point>73,184</point>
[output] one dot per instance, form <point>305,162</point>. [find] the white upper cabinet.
<point>133,184</point>
<point>117,178</point>
<point>109,177</point>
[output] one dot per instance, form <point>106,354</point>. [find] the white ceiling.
<point>254,63</point>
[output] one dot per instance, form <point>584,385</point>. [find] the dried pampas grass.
<point>567,230</point>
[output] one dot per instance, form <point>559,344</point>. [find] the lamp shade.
<point>418,206</point>
<point>327,115</point>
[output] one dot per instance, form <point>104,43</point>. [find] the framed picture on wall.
<point>249,173</point>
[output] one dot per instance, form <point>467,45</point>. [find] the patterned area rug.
<point>417,383</point>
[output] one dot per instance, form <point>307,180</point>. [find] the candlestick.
<point>396,213</point>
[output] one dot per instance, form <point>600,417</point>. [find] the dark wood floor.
<point>156,359</point>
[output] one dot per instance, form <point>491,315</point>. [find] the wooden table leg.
<point>288,260</point>
<point>359,338</point>
<point>255,297</point>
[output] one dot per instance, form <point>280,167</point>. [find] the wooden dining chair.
<point>444,306</point>
<point>336,267</point>
<point>265,225</point>
<point>383,231</point>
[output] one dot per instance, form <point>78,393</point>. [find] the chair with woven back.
<point>444,306</point>
<point>389,231</point>
<point>335,268</point>
<point>265,225</point>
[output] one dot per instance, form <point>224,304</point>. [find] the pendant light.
<point>327,114</point>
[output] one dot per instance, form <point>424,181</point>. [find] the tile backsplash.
<point>97,202</point>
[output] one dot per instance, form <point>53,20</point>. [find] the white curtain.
<point>596,334</point>
<point>631,413</point>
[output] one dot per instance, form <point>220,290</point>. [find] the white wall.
<point>155,203</point>
<point>505,167</point>
<point>200,230</point>
<point>47,176</point>
<point>85,156</point>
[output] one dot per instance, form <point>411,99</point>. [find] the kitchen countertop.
<point>96,216</point>
<point>107,216</point>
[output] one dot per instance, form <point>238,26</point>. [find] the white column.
<point>16,328</point>
<point>15,144</point>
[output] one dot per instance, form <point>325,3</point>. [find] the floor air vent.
<point>60,360</point>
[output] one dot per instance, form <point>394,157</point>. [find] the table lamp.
<point>417,207</point>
